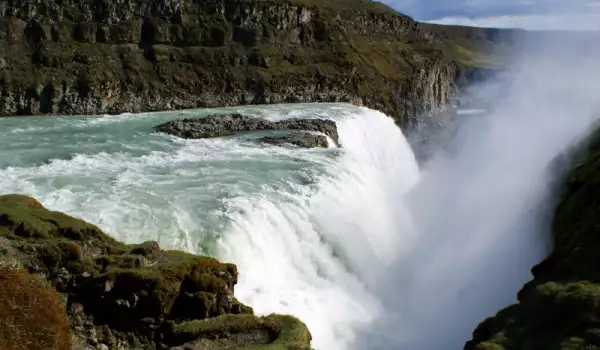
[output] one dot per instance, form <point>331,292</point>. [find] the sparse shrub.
<point>31,314</point>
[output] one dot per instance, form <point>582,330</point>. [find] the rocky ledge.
<point>229,124</point>
<point>119,296</point>
<point>300,139</point>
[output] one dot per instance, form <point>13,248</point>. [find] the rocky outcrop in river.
<point>98,56</point>
<point>120,296</point>
<point>229,124</point>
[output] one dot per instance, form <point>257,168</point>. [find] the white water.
<point>312,231</point>
<point>316,255</point>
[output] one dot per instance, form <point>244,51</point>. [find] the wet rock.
<point>300,139</point>
<point>229,124</point>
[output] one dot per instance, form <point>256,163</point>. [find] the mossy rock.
<point>137,291</point>
<point>273,332</point>
<point>25,217</point>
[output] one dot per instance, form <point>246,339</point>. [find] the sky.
<point>527,14</point>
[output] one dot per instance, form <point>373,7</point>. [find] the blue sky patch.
<point>529,14</point>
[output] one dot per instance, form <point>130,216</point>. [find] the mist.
<point>484,203</point>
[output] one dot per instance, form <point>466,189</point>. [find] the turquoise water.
<point>115,171</point>
<point>289,217</point>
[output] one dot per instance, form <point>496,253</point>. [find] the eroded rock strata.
<point>140,296</point>
<point>98,56</point>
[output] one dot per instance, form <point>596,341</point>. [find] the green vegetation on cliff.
<point>132,296</point>
<point>560,308</point>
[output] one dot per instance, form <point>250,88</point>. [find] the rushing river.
<point>366,248</point>
<point>305,226</point>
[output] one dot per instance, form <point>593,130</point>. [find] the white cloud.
<point>528,14</point>
<point>590,21</point>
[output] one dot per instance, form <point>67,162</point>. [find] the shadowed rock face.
<point>229,124</point>
<point>300,139</point>
<point>135,296</point>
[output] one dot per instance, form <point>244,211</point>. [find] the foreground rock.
<point>300,139</point>
<point>122,296</point>
<point>560,307</point>
<point>229,124</point>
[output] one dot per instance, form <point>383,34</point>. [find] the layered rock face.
<point>140,296</point>
<point>559,309</point>
<point>99,56</point>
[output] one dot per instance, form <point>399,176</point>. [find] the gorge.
<point>363,241</point>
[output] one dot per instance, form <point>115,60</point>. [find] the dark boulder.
<point>327,127</point>
<point>300,139</point>
<point>229,124</point>
<point>213,126</point>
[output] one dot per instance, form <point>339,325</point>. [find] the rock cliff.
<point>559,308</point>
<point>120,296</point>
<point>100,56</point>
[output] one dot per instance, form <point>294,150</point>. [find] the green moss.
<point>58,252</point>
<point>25,217</point>
<point>286,332</point>
<point>291,334</point>
<point>489,346</point>
<point>219,326</point>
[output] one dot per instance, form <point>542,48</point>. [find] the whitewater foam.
<point>311,229</point>
<point>316,254</point>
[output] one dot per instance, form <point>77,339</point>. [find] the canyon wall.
<point>106,57</point>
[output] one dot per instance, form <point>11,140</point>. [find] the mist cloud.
<point>482,211</point>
